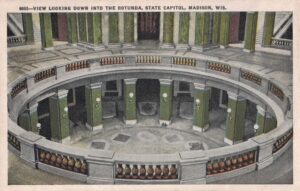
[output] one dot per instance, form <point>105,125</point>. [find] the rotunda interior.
<point>134,98</point>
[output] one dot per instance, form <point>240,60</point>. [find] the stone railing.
<point>62,161</point>
<point>44,74</point>
<point>148,59</point>
<point>77,66</point>
<point>205,165</point>
<point>251,77</point>
<point>146,171</point>
<point>13,141</point>
<point>276,91</point>
<point>16,41</point>
<point>112,60</point>
<point>18,88</point>
<point>282,43</point>
<point>282,141</point>
<point>184,61</point>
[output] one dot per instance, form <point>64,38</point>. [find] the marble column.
<point>46,30</point>
<point>82,27</point>
<point>201,31</point>
<point>235,122</point>
<point>201,107</point>
<point>59,117</point>
<point>166,97</point>
<point>215,29</point>
<point>250,32</point>
<point>224,29</point>
<point>268,28</point>
<point>260,120</point>
<point>192,29</point>
<point>130,101</point>
<point>94,28</point>
<point>105,29</point>
<point>129,29</point>
<point>113,34</point>
<point>72,28</point>
<point>93,105</point>
<point>270,122</point>
<point>168,30</point>
<point>183,31</point>
<point>28,27</point>
<point>29,119</point>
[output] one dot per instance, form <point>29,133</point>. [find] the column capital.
<point>130,81</point>
<point>32,107</point>
<point>165,81</point>
<point>235,96</point>
<point>94,85</point>
<point>62,93</point>
<point>198,86</point>
<point>261,110</point>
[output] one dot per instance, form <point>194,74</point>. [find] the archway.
<point>148,26</point>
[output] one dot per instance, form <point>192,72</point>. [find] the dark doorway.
<point>147,90</point>
<point>148,26</point>
<point>59,26</point>
<point>44,118</point>
<point>242,25</point>
<point>76,102</point>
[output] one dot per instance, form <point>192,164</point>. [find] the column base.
<point>231,142</point>
<point>114,45</point>
<point>65,140</point>
<point>95,128</point>
<point>48,48</point>
<point>200,129</point>
<point>91,46</point>
<point>129,45</point>
<point>197,48</point>
<point>167,46</point>
<point>164,122</point>
<point>223,46</point>
<point>248,51</point>
<point>182,47</point>
<point>72,44</point>
<point>130,122</point>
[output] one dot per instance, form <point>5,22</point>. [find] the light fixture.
<point>131,95</point>
<point>98,100</point>
<point>65,114</point>
<point>38,126</point>
<point>165,95</point>
<point>198,103</point>
<point>256,127</point>
<point>229,113</point>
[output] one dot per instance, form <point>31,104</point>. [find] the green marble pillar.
<point>28,27</point>
<point>168,28</point>
<point>72,28</point>
<point>250,32</point>
<point>113,20</point>
<point>201,107</point>
<point>235,122</point>
<point>268,28</point>
<point>93,105</point>
<point>59,117</point>
<point>29,119</point>
<point>260,120</point>
<point>224,29</point>
<point>216,29</point>
<point>130,101</point>
<point>184,19</point>
<point>202,30</point>
<point>82,27</point>
<point>46,30</point>
<point>166,97</point>
<point>129,28</point>
<point>270,123</point>
<point>94,28</point>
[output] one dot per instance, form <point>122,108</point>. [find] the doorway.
<point>59,26</point>
<point>148,26</point>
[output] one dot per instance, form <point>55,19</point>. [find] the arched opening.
<point>59,26</point>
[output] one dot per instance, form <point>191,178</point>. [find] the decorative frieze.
<point>276,91</point>
<point>45,74</point>
<point>77,65</point>
<point>219,67</point>
<point>148,59</point>
<point>230,163</point>
<point>251,77</point>
<point>18,88</point>
<point>13,141</point>
<point>63,161</point>
<point>184,61</point>
<point>283,140</point>
<point>112,60</point>
<point>145,171</point>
